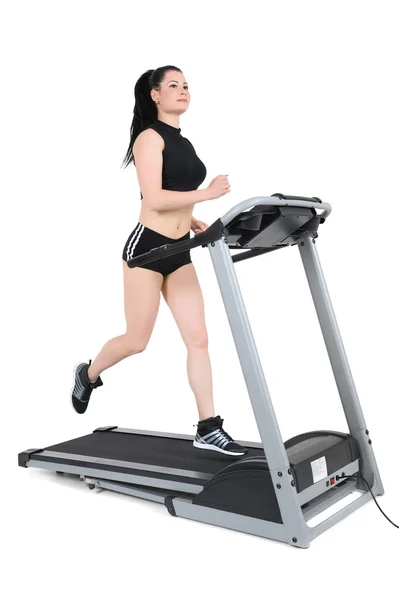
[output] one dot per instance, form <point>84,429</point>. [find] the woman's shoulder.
<point>149,132</point>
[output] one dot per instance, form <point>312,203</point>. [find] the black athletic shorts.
<point>143,239</point>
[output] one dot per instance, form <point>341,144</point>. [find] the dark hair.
<point>145,110</point>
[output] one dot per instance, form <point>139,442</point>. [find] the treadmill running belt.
<point>149,449</point>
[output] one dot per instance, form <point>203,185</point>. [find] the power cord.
<point>343,476</point>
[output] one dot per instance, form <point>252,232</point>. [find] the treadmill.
<point>277,487</point>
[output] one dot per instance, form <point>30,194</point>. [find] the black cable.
<point>360,477</point>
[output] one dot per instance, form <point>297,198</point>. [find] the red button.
<point>332,480</point>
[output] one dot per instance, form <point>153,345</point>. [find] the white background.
<point>292,97</point>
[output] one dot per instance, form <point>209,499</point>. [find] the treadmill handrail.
<point>273,201</point>
<point>169,249</point>
<point>212,233</point>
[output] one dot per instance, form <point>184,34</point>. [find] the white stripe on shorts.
<point>136,235</point>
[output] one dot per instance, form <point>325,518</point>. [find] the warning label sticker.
<point>319,469</point>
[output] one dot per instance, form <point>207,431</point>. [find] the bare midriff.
<point>171,223</point>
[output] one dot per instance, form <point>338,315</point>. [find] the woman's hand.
<point>198,226</point>
<point>218,187</point>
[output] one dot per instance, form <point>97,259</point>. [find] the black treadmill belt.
<point>151,450</point>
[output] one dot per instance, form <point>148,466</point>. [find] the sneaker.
<point>211,436</point>
<point>83,387</point>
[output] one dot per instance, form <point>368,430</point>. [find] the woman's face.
<point>174,89</point>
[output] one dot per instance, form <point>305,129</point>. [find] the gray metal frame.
<point>295,508</point>
<point>294,525</point>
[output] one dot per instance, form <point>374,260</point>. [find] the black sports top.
<point>182,170</point>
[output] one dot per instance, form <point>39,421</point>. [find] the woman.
<point>169,173</point>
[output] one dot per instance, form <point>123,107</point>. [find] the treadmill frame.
<point>294,524</point>
<point>294,529</point>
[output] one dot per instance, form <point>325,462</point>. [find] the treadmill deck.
<point>129,452</point>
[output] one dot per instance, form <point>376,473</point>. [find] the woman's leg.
<point>142,293</point>
<point>182,293</point>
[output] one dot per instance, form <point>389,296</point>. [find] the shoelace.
<point>226,435</point>
<point>217,435</point>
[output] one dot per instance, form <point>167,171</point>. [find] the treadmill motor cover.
<point>246,487</point>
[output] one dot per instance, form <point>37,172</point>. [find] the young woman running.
<point>169,173</point>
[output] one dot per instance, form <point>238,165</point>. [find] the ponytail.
<point>145,110</point>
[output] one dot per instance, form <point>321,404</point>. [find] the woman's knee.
<point>135,344</point>
<point>197,339</point>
